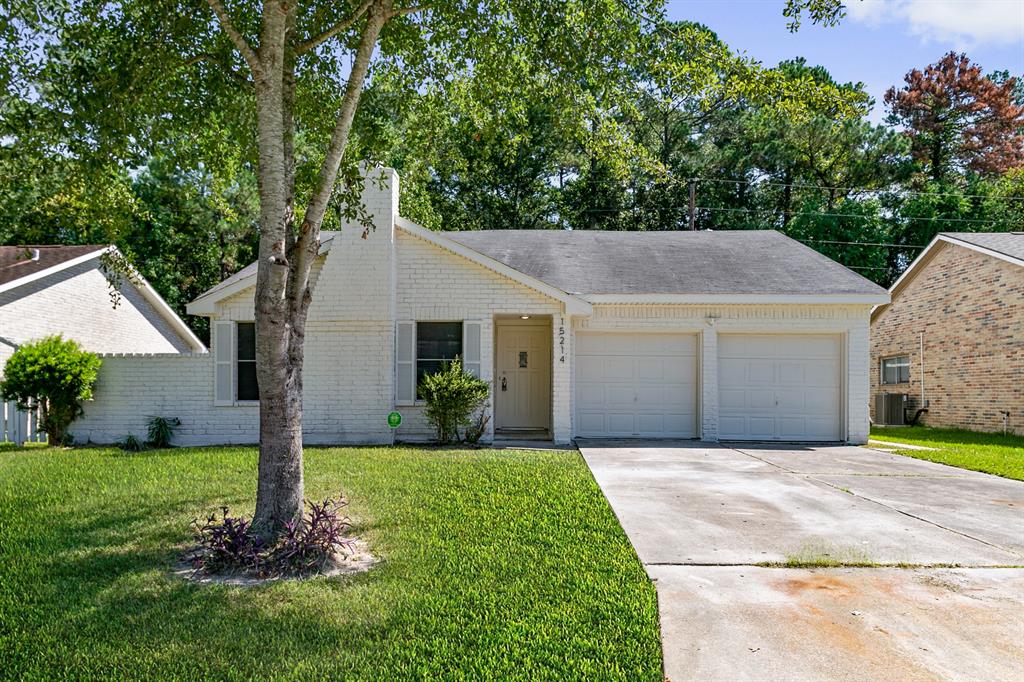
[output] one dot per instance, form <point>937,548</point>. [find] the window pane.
<point>438,340</point>
<point>425,367</point>
<point>896,370</point>
<point>905,373</point>
<point>246,341</point>
<point>248,389</point>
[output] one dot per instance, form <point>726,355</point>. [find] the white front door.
<point>636,385</point>
<point>522,395</point>
<point>779,387</point>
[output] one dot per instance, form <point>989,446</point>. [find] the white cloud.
<point>962,22</point>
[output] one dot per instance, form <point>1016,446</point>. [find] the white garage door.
<point>779,387</point>
<point>636,385</point>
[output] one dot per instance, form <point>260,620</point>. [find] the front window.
<point>246,387</point>
<point>437,343</point>
<point>896,370</point>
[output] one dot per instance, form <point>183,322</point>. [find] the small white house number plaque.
<point>561,340</point>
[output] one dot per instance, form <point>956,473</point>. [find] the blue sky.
<point>877,42</point>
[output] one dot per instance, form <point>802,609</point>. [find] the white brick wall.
<point>133,387</point>
<point>76,302</point>
<point>364,285</point>
<point>435,284</point>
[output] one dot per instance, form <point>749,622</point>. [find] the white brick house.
<point>724,335</point>
<point>47,290</point>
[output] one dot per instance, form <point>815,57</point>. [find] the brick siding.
<point>970,308</point>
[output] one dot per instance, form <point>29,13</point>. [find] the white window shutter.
<point>223,363</point>
<point>405,363</point>
<point>471,347</point>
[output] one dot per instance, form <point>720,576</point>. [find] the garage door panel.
<point>759,399</point>
<point>731,399</point>
<point>620,368</point>
<point>590,395</point>
<point>761,427</point>
<point>591,421</point>
<point>779,387</point>
<point>792,399</point>
<point>760,372</point>
<point>640,384</point>
<point>792,373</point>
<point>620,423</point>
<point>590,367</point>
<point>732,371</point>
<point>650,397</point>
<point>619,396</point>
<point>651,367</point>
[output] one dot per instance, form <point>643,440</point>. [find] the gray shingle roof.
<point>1007,243</point>
<point>720,262</point>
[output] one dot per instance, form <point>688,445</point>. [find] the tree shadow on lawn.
<point>111,605</point>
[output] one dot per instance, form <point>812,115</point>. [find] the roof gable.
<point>21,265</point>
<point>1006,246</point>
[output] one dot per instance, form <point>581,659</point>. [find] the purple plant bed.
<point>228,550</point>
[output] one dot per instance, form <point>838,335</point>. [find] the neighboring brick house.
<point>713,335</point>
<point>962,302</point>
<point>48,290</point>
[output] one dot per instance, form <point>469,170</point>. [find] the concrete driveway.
<point>929,583</point>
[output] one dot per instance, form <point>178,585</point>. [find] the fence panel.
<point>19,426</point>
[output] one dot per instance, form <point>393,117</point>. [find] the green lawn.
<point>992,453</point>
<point>496,564</point>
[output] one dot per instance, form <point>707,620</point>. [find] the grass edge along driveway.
<point>992,453</point>
<point>496,564</point>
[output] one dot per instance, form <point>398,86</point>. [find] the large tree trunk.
<point>279,492</point>
<point>286,255</point>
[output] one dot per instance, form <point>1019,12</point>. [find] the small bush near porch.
<point>495,564</point>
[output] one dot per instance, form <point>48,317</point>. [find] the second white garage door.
<point>636,385</point>
<point>777,387</point>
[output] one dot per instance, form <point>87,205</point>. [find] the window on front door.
<point>896,370</point>
<point>437,343</point>
<point>246,387</point>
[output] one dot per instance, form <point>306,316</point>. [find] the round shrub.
<point>55,375</point>
<point>452,396</point>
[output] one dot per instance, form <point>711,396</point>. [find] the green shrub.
<point>452,396</point>
<point>131,443</point>
<point>160,430</point>
<point>54,375</point>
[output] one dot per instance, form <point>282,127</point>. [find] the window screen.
<point>896,370</point>
<point>246,387</point>
<point>437,343</point>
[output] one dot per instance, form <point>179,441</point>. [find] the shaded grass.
<point>993,453</point>
<point>495,565</point>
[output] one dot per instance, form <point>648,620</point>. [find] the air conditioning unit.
<point>890,409</point>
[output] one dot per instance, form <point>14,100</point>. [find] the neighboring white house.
<point>48,290</point>
<point>711,335</point>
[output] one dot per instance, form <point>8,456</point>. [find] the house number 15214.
<point>561,340</point>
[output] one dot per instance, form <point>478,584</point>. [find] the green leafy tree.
<point>54,375</point>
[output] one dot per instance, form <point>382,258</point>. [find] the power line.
<point>814,214</point>
<point>891,246</point>
<point>802,185</point>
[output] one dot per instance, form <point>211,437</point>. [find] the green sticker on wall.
<point>394,420</point>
